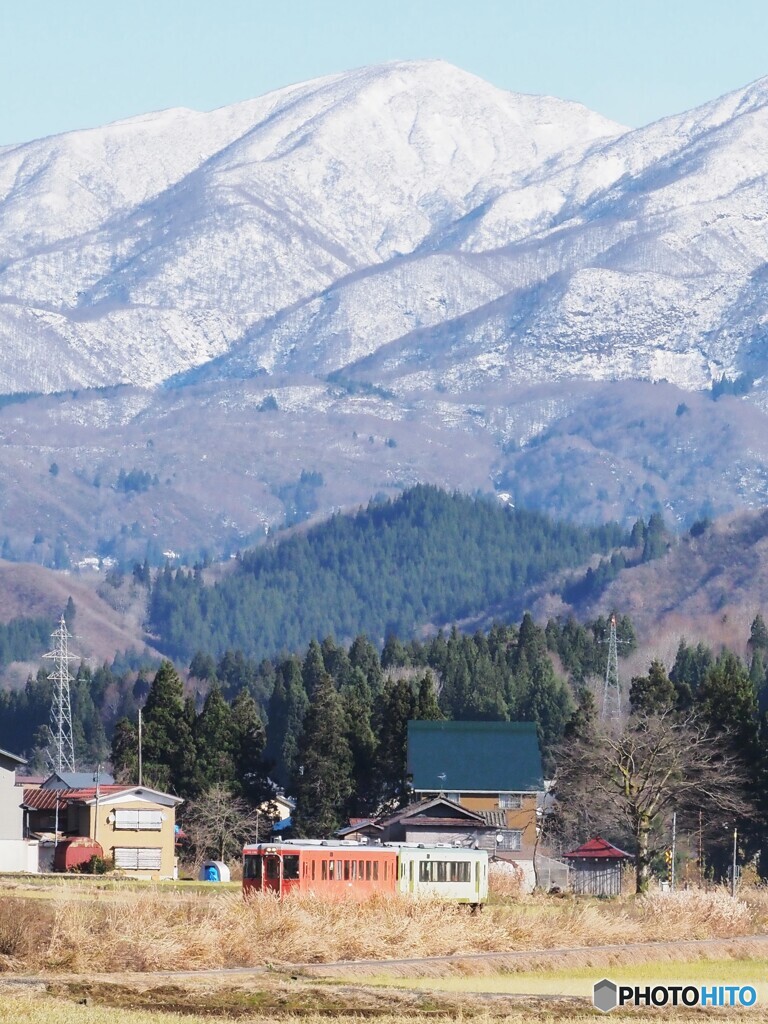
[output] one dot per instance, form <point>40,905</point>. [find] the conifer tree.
<point>358,708</point>
<point>249,740</point>
<point>395,708</point>
<point>653,693</point>
<point>168,746</point>
<point>322,780</point>
<point>214,738</point>
<point>287,709</point>
<point>427,708</point>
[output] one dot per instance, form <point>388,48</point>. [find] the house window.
<point>130,858</point>
<point>456,797</point>
<point>512,839</point>
<point>510,801</point>
<point>138,820</point>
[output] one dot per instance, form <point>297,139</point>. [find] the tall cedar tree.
<point>214,736</point>
<point>168,745</point>
<point>322,780</point>
<point>285,714</point>
<point>251,770</point>
<point>395,707</point>
<point>652,693</point>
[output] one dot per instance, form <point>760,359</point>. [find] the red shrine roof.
<point>599,849</point>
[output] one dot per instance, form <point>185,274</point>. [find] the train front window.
<point>291,866</point>
<point>273,868</point>
<point>252,868</point>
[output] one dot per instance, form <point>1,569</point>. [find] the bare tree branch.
<point>633,778</point>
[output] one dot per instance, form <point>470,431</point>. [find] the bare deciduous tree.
<point>634,777</point>
<point>219,824</point>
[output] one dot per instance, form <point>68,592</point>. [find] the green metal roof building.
<point>474,757</point>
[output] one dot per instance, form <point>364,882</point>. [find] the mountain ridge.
<point>385,276</point>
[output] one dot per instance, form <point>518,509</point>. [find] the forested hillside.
<point>426,557</point>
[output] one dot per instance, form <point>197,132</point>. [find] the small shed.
<point>596,868</point>
<point>71,854</point>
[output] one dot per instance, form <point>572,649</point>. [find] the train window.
<point>376,871</point>
<point>361,869</point>
<point>346,870</point>
<point>273,868</point>
<point>313,871</point>
<point>424,872</point>
<point>324,872</point>
<point>291,866</point>
<point>367,871</point>
<point>338,870</point>
<point>252,868</point>
<point>462,871</point>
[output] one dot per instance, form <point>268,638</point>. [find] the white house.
<point>16,853</point>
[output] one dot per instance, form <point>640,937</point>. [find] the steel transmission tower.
<point>612,689</point>
<point>61,752</point>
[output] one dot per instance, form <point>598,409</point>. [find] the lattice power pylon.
<point>61,751</point>
<point>612,689</point>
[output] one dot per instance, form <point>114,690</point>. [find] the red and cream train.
<point>347,869</point>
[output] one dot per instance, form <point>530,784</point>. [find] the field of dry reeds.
<point>158,929</point>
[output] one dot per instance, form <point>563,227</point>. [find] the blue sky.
<point>78,63</point>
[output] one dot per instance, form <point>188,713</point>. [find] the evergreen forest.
<point>427,557</point>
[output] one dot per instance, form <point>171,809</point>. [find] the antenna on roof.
<point>61,752</point>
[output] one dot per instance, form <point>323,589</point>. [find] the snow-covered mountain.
<point>361,275</point>
<point>168,237</point>
<point>409,215</point>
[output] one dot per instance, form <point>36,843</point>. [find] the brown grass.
<point>157,929</point>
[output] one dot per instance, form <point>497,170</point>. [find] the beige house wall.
<point>101,827</point>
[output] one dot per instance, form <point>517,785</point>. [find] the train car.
<point>326,867</point>
<point>450,872</point>
<point>347,869</point>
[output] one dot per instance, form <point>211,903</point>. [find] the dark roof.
<point>599,849</point>
<point>356,825</point>
<point>474,757</point>
<point>437,811</point>
<point>7,755</point>
<point>76,780</point>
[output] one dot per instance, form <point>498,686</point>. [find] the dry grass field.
<point>161,929</point>
<point>94,954</point>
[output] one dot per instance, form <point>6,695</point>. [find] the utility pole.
<point>674,844</point>
<point>140,767</point>
<point>733,864</point>
<point>97,779</point>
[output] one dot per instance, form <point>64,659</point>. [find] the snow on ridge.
<point>257,229</point>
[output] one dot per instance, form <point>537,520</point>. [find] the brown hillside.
<point>100,629</point>
<point>706,588</point>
